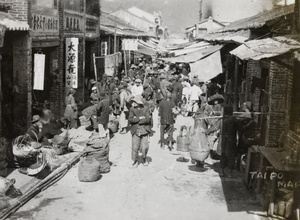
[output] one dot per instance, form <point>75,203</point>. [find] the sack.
<point>88,169</point>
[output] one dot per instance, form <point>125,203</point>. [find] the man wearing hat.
<point>137,88</point>
<point>131,71</point>
<point>94,95</point>
<point>139,118</point>
<point>35,131</point>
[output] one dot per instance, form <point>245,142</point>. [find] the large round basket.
<point>183,144</point>
<point>199,155</point>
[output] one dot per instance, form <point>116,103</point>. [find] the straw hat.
<point>138,99</point>
<point>35,118</point>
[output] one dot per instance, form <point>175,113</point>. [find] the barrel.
<point>183,143</point>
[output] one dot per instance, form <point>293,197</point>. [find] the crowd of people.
<point>132,99</point>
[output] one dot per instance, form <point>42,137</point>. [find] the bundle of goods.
<point>96,159</point>
<point>98,147</point>
<point>199,145</point>
<point>84,121</point>
<point>113,124</point>
<point>88,169</point>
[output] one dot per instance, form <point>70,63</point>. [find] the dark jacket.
<point>165,112</point>
<point>136,122</point>
<point>103,110</point>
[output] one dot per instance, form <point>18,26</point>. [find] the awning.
<point>194,56</point>
<point>12,24</point>
<point>134,33</point>
<point>235,36</point>
<point>145,50</point>
<point>8,22</point>
<point>265,48</point>
<point>189,49</point>
<point>207,68</point>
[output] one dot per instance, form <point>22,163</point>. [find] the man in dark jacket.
<point>139,118</point>
<point>166,114</point>
<point>103,110</point>
<point>177,90</point>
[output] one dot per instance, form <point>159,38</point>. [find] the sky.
<point>179,14</point>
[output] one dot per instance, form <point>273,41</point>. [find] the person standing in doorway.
<point>71,113</point>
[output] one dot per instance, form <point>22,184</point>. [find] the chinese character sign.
<point>72,62</point>
<point>129,44</point>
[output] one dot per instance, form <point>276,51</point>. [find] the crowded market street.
<point>166,189</point>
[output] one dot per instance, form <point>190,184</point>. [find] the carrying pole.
<point>95,69</point>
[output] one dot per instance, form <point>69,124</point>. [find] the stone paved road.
<point>166,189</point>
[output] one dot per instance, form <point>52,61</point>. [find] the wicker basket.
<point>88,170</point>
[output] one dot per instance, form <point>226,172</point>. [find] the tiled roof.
<point>259,20</point>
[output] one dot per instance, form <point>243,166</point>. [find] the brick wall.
<point>253,70</point>
<point>20,9</point>
<point>280,81</point>
<point>22,72</point>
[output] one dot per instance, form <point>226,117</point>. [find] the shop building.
<point>37,64</point>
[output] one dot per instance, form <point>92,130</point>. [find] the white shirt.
<point>195,93</point>
<point>137,90</point>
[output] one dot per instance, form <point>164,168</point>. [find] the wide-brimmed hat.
<point>138,81</point>
<point>94,88</point>
<point>138,99</point>
<point>133,66</point>
<point>162,76</point>
<point>35,118</point>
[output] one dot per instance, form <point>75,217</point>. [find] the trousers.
<point>139,143</point>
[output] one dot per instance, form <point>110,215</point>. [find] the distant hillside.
<point>177,14</point>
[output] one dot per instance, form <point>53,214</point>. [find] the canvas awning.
<point>207,68</point>
<point>8,22</point>
<point>265,48</point>
<point>194,56</point>
<point>235,36</point>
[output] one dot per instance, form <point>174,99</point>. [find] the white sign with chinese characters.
<point>72,63</point>
<point>130,44</point>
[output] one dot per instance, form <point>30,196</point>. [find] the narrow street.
<point>166,189</point>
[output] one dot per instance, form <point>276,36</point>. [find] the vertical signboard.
<point>72,63</point>
<point>39,71</point>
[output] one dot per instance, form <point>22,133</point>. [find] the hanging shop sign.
<point>103,48</point>
<point>39,71</point>
<point>130,44</point>
<point>72,63</point>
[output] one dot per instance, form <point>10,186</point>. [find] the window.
<point>73,5</point>
<point>45,3</point>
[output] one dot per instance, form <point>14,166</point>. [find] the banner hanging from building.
<point>39,71</point>
<point>72,63</point>
<point>130,44</point>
